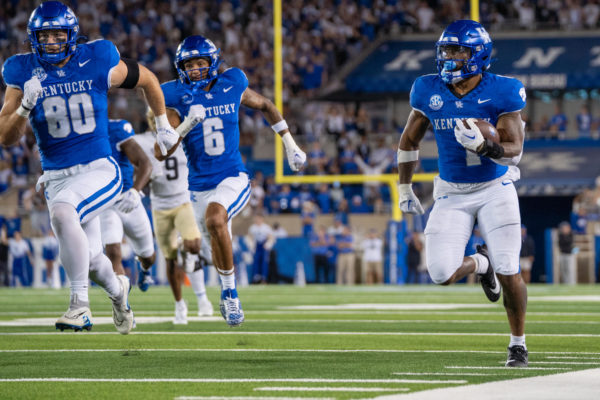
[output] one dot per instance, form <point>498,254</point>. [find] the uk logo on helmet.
<point>436,102</point>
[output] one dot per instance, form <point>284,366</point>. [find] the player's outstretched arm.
<point>175,122</point>
<point>12,124</point>
<point>141,163</point>
<point>296,157</point>
<point>408,154</point>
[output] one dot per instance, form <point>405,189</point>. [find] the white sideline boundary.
<point>578,385</point>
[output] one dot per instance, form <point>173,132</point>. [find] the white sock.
<point>517,341</point>
<point>190,262</point>
<point>197,280</point>
<point>102,273</point>
<point>481,263</point>
<point>227,278</point>
<point>180,304</point>
<point>79,294</point>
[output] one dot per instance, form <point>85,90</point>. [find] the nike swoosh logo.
<point>227,89</point>
<point>470,137</point>
<point>81,64</point>
<point>496,290</point>
<point>506,183</point>
<point>479,101</point>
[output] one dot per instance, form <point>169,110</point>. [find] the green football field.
<point>297,342</point>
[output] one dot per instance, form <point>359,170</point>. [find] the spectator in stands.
<point>285,199</point>
<point>358,206</point>
<point>335,121</point>
<point>336,194</point>
<point>6,175</point>
<point>19,250</point>
<point>567,261</point>
<point>317,159</point>
<point>342,211</point>
<point>308,216</point>
<point>413,257</point>
<point>558,124</point>
<point>13,223</point>
<point>50,256</point>
<point>262,235</point>
<point>279,231</point>
<point>345,266</point>
<point>372,258</point>
<point>324,199</point>
<point>319,245</point>
<point>584,123</point>
<point>371,189</point>
<point>527,254</point>
<point>4,251</point>
<point>257,197</point>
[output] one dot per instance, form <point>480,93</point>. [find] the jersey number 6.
<point>214,141</point>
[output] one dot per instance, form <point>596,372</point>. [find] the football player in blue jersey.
<point>217,178</point>
<point>61,89</point>
<point>476,174</point>
<point>128,216</point>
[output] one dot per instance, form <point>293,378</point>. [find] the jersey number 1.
<point>80,110</point>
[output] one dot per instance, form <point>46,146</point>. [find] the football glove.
<point>128,201</point>
<point>469,137</point>
<point>166,136</point>
<point>296,157</point>
<point>408,201</point>
<point>32,90</point>
<point>196,115</point>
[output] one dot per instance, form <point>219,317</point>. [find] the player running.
<point>128,216</point>
<point>61,88</point>
<point>476,175</point>
<point>173,214</point>
<point>217,178</point>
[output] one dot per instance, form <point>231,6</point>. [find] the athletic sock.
<point>227,278</point>
<point>197,280</point>
<point>517,341</point>
<point>79,294</point>
<point>481,263</point>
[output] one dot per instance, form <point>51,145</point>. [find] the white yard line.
<point>441,374</point>
<point>504,368</point>
<point>577,385</point>
<point>327,389</point>
<point>250,398</point>
<point>241,380</point>
<point>576,357</point>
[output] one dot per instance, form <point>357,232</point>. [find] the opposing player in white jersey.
<point>173,214</point>
<point>476,174</point>
<point>128,216</point>
<point>61,89</point>
<point>217,178</point>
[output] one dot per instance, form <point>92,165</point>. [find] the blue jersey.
<point>70,119</point>
<point>120,131</point>
<point>212,147</point>
<point>495,95</point>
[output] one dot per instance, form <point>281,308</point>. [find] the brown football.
<point>488,130</point>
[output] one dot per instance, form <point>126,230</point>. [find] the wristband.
<point>280,126</point>
<point>161,121</point>
<point>491,149</point>
<point>23,111</point>
<point>405,156</point>
<point>288,141</point>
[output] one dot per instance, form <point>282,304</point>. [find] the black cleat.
<point>489,282</point>
<point>517,357</point>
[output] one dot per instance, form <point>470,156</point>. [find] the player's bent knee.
<point>192,246</point>
<point>439,274</point>
<point>216,223</point>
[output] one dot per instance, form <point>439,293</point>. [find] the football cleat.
<point>144,279</point>
<point>489,281</point>
<point>122,313</point>
<point>77,319</point>
<point>231,308</point>
<point>181,312</point>
<point>205,308</point>
<point>517,357</point>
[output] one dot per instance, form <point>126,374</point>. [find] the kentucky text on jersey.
<point>67,88</point>
<point>220,110</point>
<point>449,123</point>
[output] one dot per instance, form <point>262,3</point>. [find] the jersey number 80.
<point>80,112</point>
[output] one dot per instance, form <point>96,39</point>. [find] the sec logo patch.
<point>436,102</point>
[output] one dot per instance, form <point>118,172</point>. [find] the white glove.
<point>469,137</point>
<point>166,136</point>
<point>32,90</point>
<point>409,202</point>
<point>296,157</point>
<point>196,115</point>
<point>128,201</point>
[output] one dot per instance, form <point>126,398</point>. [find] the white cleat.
<point>77,319</point>
<point>205,308</point>
<point>122,313</point>
<point>181,312</point>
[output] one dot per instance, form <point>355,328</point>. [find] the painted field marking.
<point>327,389</point>
<point>389,306</point>
<point>575,357</point>
<point>565,362</point>
<point>442,374</point>
<point>504,368</point>
<point>250,398</point>
<point>240,380</point>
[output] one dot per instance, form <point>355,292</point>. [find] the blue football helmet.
<point>198,47</point>
<point>463,37</point>
<point>53,15</point>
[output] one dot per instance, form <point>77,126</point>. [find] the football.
<point>488,130</point>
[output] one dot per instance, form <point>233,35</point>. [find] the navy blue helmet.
<point>198,47</point>
<point>53,15</point>
<point>463,37</point>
